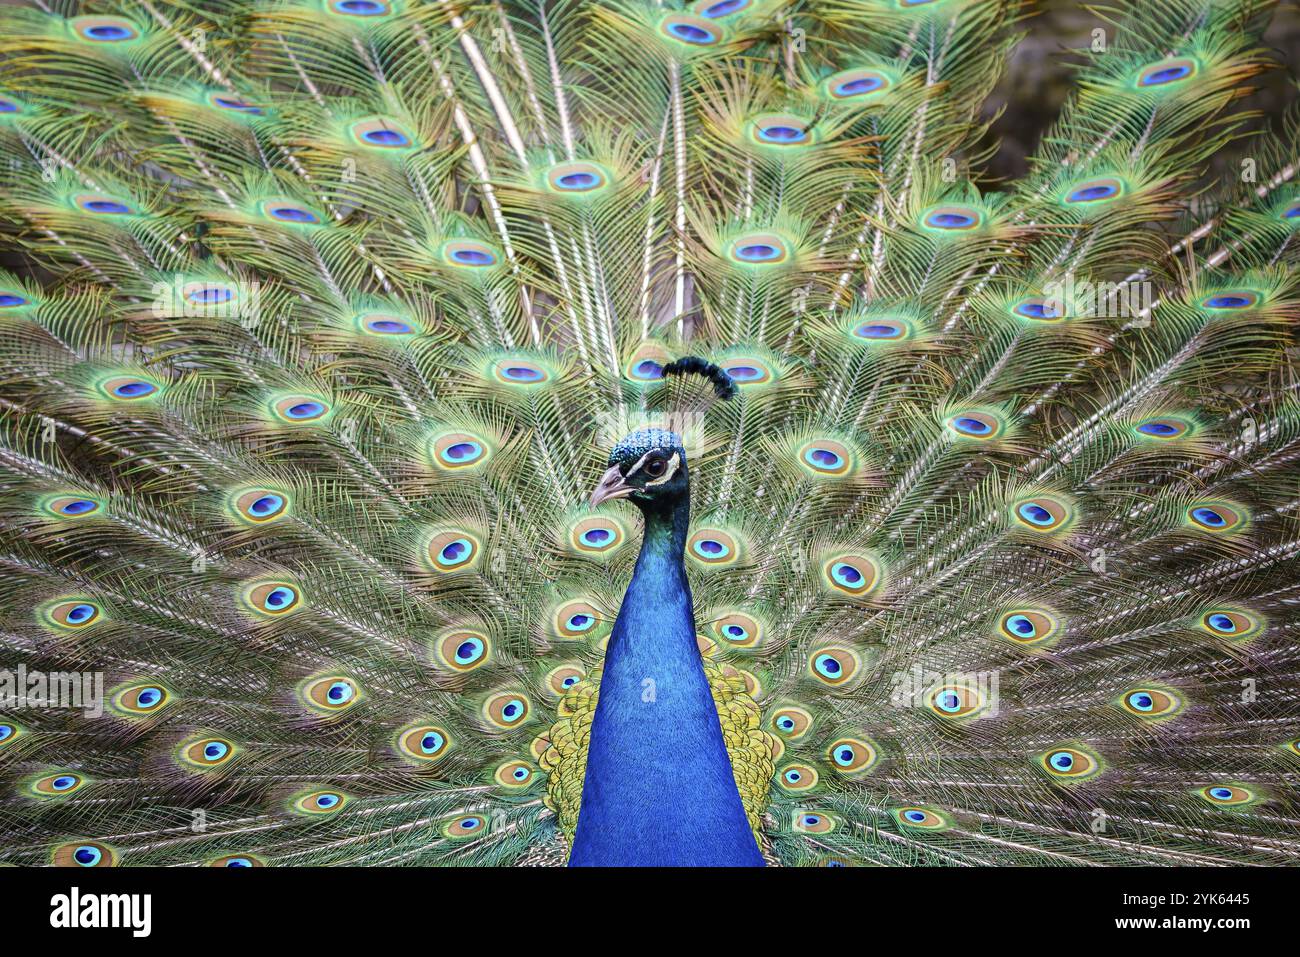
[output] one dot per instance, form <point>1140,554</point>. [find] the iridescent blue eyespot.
<point>580,180</point>
<point>1037,309</point>
<point>823,458</point>
<point>305,410</point>
<point>267,505</point>
<point>522,374</point>
<point>215,750</point>
<point>10,300</point>
<point>108,206</point>
<point>134,390</point>
<point>238,106</point>
<point>1035,514</point>
<point>238,862</point>
<point>87,855</point>
<point>916,817</point>
<point>948,701</point>
<point>710,548</point>
<point>1230,300</point>
<point>148,697</point>
<point>648,369</point>
<point>951,218</point>
<point>456,450</point>
<point>340,692</point>
<point>1090,193</point>
<point>1216,517</point>
<point>109,32</point>
<point>782,134</point>
<point>1095,191</point>
<point>1157,428</point>
<point>63,782</point>
<point>723,7</point>
<point>859,85</point>
<point>210,295</point>
<point>422,744</point>
<point>971,426</point>
<point>1141,701</point>
<point>454,552</point>
<point>6,730</point>
<point>828,666</point>
<point>469,651</point>
<point>78,507</point>
<point>359,8</point>
<point>388,327</point>
<point>879,330</point>
<point>1165,73</point>
<point>977,424</point>
<point>386,138</point>
<point>473,257</point>
<point>758,252</point>
<point>8,106</point>
<point>957,700</point>
<point>846,574</point>
<point>1021,625</point>
<point>1222,794</point>
<point>690,33</point>
<point>1062,760</point>
<point>1208,516</point>
<point>80,613</point>
<point>294,214</point>
<point>317,803</point>
<point>462,452</point>
<point>382,133</point>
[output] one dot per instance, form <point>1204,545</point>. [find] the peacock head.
<point>649,467</point>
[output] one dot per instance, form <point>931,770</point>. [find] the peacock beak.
<point>611,485</point>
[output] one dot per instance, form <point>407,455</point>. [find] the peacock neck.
<point>659,787</point>
<point>663,546</point>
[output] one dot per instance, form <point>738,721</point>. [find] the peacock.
<point>620,432</point>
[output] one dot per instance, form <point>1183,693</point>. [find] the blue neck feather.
<point>659,789</point>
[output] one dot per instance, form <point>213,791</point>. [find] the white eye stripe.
<point>669,473</point>
<point>637,467</point>
<point>673,463</point>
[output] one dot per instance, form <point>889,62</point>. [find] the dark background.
<point>1038,79</point>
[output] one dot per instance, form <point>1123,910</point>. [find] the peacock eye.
<point>1069,762</point>
<point>84,854</point>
